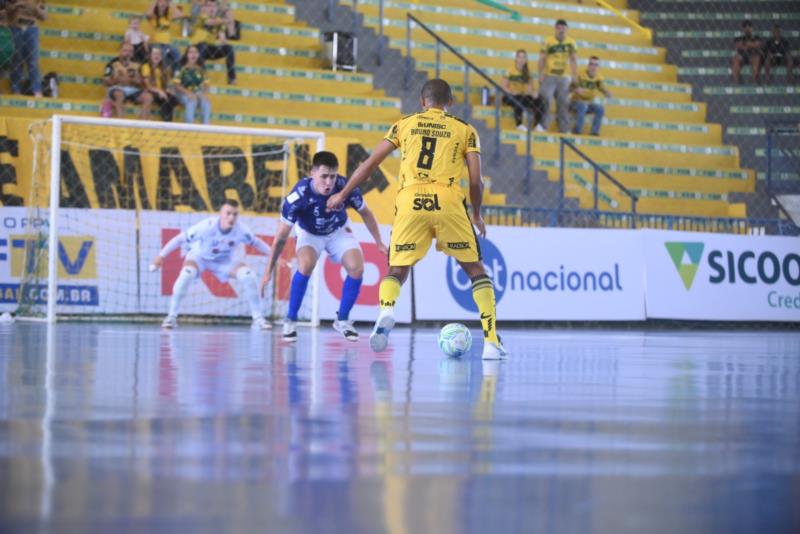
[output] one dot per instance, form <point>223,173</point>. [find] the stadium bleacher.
<point>656,139</point>
<point>700,43</point>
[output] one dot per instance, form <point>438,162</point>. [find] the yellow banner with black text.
<point>128,168</point>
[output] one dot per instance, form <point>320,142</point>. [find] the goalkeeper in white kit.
<point>212,243</point>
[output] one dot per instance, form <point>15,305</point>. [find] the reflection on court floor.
<point>127,427</point>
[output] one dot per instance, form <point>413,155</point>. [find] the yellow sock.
<point>389,291</point>
<point>483,294</point>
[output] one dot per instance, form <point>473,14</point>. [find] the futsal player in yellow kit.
<point>434,146</point>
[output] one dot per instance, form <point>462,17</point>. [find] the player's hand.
<point>335,202</point>
<point>477,220</point>
<point>265,281</point>
<point>382,248</point>
<point>157,262</point>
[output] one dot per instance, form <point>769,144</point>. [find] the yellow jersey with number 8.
<point>432,146</point>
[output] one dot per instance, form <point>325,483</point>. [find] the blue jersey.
<point>309,209</point>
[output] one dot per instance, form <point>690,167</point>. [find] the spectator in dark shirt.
<point>748,51</point>
<point>777,52</point>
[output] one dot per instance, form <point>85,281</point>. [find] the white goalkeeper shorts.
<point>335,244</point>
<point>221,268</point>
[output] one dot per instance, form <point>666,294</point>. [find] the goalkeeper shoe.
<point>261,324</point>
<point>289,331</point>
<point>347,329</point>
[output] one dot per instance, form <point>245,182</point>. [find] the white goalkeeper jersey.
<point>207,241</point>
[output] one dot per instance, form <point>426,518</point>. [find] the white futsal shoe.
<point>289,331</point>
<point>261,324</point>
<point>170,321</point>
<point>347,329</point>
<point>494,351</point>
<point>380,334</point>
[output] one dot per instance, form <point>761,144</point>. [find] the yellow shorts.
<point>424,212</point>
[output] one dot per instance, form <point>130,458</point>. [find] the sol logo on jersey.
<point>427,202</point>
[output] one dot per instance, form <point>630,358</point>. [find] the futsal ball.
<point>455,339</point>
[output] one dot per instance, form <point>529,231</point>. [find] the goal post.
<point>105,193</point>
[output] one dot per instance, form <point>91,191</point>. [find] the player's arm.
<point>194,233</point>
<point>372,225</point>
<point>476,190</point>
<point>284,229</point>
<point>364,171</point>
<point>172,245</point>
<point>250,238</point>
<point>260,245</point>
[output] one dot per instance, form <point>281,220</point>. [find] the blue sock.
<point>350,291</point>
<point>299,285</point>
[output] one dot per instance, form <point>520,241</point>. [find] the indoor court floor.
<point>127,428</point>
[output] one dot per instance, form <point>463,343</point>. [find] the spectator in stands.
<point>161,16</point>
<point>6,38</point>
<point>211,40</point>
<point>135,36</point>
<point>520,84</point>
<point>748,52</point>
<point>226,13</point>
<point>124,83</point>
<point>584,97</point>
<point>194,11</point>
<point>557,70</point>
<point>192,86</point>
<point>156,77</point>
<point>777,52</point>
<point>24,17</point>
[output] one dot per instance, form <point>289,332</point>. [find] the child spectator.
<point>24,16</point>
<point>135,36</point>
<point>192,87</point>
<point>748,52</point>
<point>557,55</point>
<point>520,84</point>
<point>161,16</point>
<point>777,52</point>
<point>125,83</point>
<point>211,41</point>
<point>584,97</point>
<point>156,77</point>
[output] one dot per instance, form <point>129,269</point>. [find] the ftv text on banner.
<point>96,260</point>
<point>722,277</point>
<point>542,274</point>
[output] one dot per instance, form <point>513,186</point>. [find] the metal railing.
<point>598,170</point>
<point>582,218</point>
<point>411,20</point>
<point>776,131</point>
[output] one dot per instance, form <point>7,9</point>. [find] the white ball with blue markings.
<point>455,339</point>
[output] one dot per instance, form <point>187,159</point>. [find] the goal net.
<point>119,190</point>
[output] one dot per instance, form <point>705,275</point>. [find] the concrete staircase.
<point>700,42</point>
<point>505,168</point>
